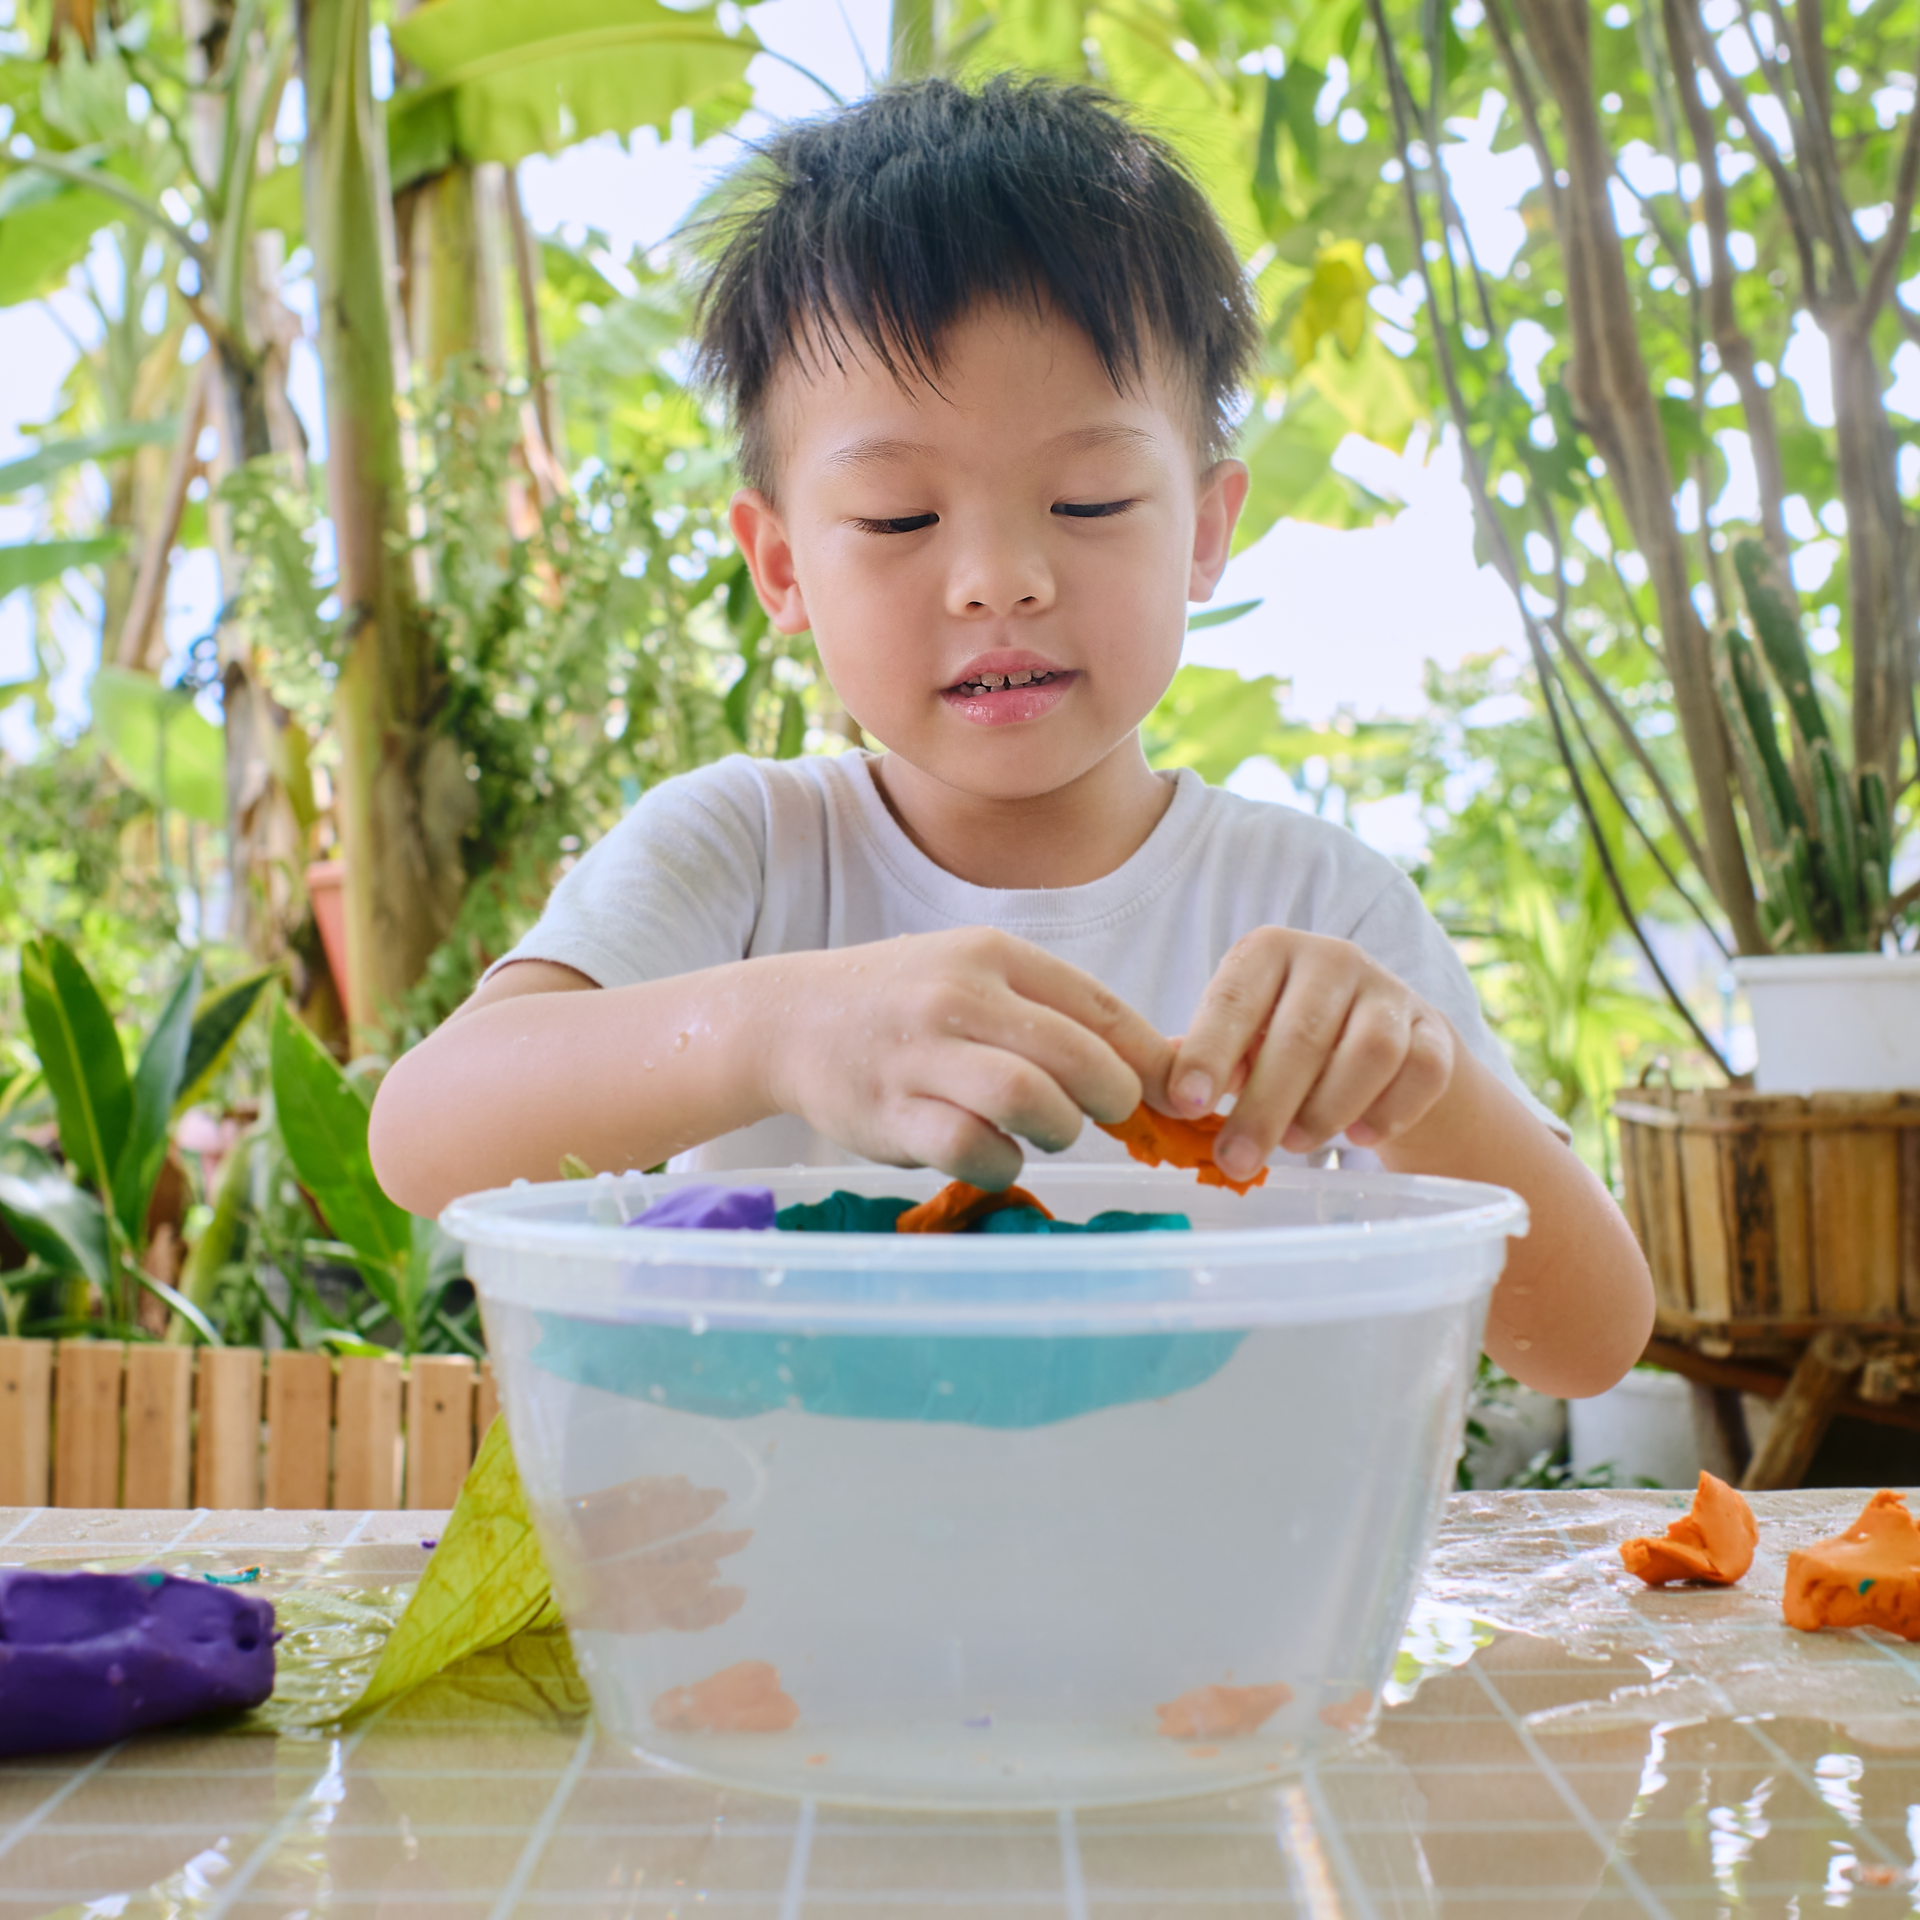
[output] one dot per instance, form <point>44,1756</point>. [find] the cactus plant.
<point>1825,840</point>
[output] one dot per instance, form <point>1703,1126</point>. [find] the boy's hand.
<point>936,1048</point>
<point>1315,1039</point>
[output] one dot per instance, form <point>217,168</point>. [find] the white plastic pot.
<point>1834,1022</point>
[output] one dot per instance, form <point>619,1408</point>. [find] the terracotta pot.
<point>326,888</point>
<point>1834,1022</point>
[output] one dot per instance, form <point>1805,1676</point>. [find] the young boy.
<point>984,350</point>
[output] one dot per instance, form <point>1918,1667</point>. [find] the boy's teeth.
<point>993,682</point>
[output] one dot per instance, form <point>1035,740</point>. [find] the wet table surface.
<point>1558,1742</point>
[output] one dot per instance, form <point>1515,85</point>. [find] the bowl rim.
<point>1477,1213</point>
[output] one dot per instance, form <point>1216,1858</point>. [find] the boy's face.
<point>1026,520</point>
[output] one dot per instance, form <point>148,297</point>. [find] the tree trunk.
<point>1617,409</point>
<point>401,796</point>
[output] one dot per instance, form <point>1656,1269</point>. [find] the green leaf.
<point>793,727</point>
<point>486,1582</point>
<point>1685,435</point>
<point>169,751</point>
<point>156,1084</point>
<point>46,226</point>
<point>1781,639</point>
<point>32,563</point>
<point>80,1056</point>
<point>1219,616</point>
<point>527,80</point>
<point>110,443</point>
<point>276,203</point>
<point>216,1026</point>
<point>60,1224</point>
<point>323,1121</point>
<point>1286,459</point>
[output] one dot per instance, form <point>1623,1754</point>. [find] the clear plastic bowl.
<point>971,1521</point>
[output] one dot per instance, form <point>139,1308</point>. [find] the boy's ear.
<point>1222,493</point>
<point>761,536</point>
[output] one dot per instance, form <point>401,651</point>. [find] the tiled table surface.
<point>1561,1743</point>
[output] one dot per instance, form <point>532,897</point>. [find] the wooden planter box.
<point>1769,1218</point>
<point>97,1423</point>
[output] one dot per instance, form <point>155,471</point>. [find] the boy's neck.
<point>1070,837</point>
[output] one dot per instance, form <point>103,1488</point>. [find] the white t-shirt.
<point>752,857</point>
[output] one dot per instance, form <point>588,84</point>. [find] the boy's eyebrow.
<point>879,449</point>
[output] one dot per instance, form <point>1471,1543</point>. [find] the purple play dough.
<point>88,1658</point>
<point>750,1207</point>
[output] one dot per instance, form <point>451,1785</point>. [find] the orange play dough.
<point>1868,1576</point>
<point>1161,1140</point>
<point>1714,1541</point>
<point>957,1206</point>
<point>1221,1713</point>
<point>1349,1715</point>
<point>743,1698</point>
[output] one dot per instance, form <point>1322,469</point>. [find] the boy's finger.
<point>931,1132</point>
<point>1006,1090</point>
<point>1232,1011</point>
<point>1421,1081</point>
<point>1094,1078</point>
<point>1035,974</point>
<point>1301,1039</point>
<point>1365,1064</point>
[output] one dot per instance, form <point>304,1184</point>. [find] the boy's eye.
<point>906,523</point>
<point>1093,510</point>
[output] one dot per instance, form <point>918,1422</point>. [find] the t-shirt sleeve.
<point>1399,932</point>
<point>674,888</point>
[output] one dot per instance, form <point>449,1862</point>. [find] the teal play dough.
<point>990,1381</point>
<point>1005,1381</point>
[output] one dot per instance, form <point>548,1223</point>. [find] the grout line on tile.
<point>78,1780</point>
<point>1315,1889</point>
<point>1782,1758</point>
<point>543,1828</point>
<point>1073,1875</point>
<point>27,1518</point>
<point>793,1895</point>
<point>1345,1865</point>
<point>1583,1815</point>
<point>340,1751</point>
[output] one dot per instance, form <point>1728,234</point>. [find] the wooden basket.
<point>1769,1217</point>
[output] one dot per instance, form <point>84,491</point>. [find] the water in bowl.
<point>968,1593</point>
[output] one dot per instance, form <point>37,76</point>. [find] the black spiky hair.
<point>886,222</point>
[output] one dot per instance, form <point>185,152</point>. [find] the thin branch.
<point>1496,535</point>
<point>1618,719</point>
<point>1619,798</point>
<point>1886,263</point>
<point>106,185</point>
<point>1788,188</point>
<point>1813,140</point>
<point>1729,338</point>
<point>1523,93</point>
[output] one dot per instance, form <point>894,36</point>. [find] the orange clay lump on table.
<point>1713,1542</point>
<point>1868,1576</point>
<point>1160,1139</point>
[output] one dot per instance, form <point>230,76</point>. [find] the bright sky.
<point>1349,618</point>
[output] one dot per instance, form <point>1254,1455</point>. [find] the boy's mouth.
<point>1005,698</point>
<point>994,682</point>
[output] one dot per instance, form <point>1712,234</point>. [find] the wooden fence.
<point>99,1423</point>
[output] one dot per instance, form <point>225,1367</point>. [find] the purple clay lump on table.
<point>88,1658</point>
<point>749,1207</point>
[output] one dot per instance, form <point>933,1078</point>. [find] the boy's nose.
<point>998,574</point>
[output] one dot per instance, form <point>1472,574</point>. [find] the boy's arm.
<point>1574,1307</point>
<point>1316,1039</point>
<point>931,1050</point>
